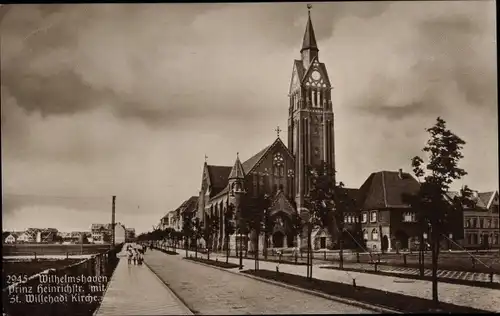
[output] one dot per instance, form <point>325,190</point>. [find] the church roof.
<point>252,161</point>
<point>309,37</point>
<point>237,170</point>
<point>300,68</point>
<point>384,189</point>
<point>218,177</point>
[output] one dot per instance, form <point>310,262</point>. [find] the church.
<point>381,219</point>
<point>278,169</point>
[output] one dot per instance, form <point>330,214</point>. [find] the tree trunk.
<point>309,253</point>
<point>209,244</point>
<point>265,245</point>
<point>196,249</point>
<point>241,251</point>
<point>186,244</point>
<point>341,253</point>
<point>435,254</point>
<point>227,248</point>
<point>422,248</point>
<point>257,252</point>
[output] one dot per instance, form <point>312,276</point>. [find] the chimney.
<point>400,173</point>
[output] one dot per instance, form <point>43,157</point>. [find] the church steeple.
<point>309,45</point>
<point>237,171</point>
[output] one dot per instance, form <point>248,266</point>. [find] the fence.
<point>76,289</point>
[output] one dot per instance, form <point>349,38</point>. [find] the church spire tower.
<point>309,46</point>
<point>311,118</point>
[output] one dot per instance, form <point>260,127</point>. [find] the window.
<point>374,234</point>
<point>345,218</point>
<point>480,239</point>
<point>409,217</point>
<point>488,223</point>
<point>474,239</point>
<point>357,219</point>
<point>481,223</point>
<point>365,234</point>
<point>495,223</point>
<point>373,217</point>
<point>469,239</point>
<point>495,239</point>
<point>467,223</point>
<point>364,218</point>
<point>474,222</point>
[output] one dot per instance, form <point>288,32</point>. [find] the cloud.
<point>114,99</point>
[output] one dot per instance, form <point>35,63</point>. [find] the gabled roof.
<point>218,176</point>
<point>483,200</point>
<point>253,162</point>
<point>384,189</point>
<point>320,66</point>
<point>280,202</point>
<point>188,205</point>
<point>309,36</point>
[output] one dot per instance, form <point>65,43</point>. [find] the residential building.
<point>129,234</point>
<point>482,222</point>
<point>10,239</point>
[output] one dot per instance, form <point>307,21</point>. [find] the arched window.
<point>374,234</point>
<point>365,234</point>
<point>373,217</point>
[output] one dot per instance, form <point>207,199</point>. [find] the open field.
<point>52,249</point>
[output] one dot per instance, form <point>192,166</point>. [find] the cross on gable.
<point>278,130</point>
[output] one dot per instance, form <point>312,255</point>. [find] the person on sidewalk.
<point>134,257</point>
<point>129,255</point>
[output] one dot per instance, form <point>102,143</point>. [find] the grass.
<point>418,277</point>
<point>396,301</point>
<point>221,264</point>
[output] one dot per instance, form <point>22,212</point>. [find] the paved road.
<point>207,290</point>
<point>476,297</point>
<point>136,290</point>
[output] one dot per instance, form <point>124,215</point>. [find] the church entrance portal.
<point>278,239</point>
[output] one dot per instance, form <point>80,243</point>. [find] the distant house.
<point>26,237</point>
<point>481,223</point>
<point>129,234</point>
<point>101,233</point>
<point>10,239</point>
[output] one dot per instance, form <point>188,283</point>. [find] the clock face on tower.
<point>315,75</point>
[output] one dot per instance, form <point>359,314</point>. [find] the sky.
<point>127,99</point>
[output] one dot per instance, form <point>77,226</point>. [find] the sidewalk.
<point>476,297</point>
<point>136,290</point>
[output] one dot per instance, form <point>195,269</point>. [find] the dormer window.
<point>373,217</point>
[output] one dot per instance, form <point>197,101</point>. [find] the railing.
<point>76,289</point>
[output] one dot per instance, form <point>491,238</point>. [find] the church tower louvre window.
<point>311,118</point>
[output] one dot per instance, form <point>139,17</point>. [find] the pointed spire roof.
<point>309,37</point>
<point>237,171</point>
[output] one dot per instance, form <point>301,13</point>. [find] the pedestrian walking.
<point>129,255</point>
<point>134,257</point>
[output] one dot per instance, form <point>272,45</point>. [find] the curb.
<point>180,302</point>
<point>371,307</point>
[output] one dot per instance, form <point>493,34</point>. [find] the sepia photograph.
<point>249,158</point>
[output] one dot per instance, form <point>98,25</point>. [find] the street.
<point>207,290</point>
